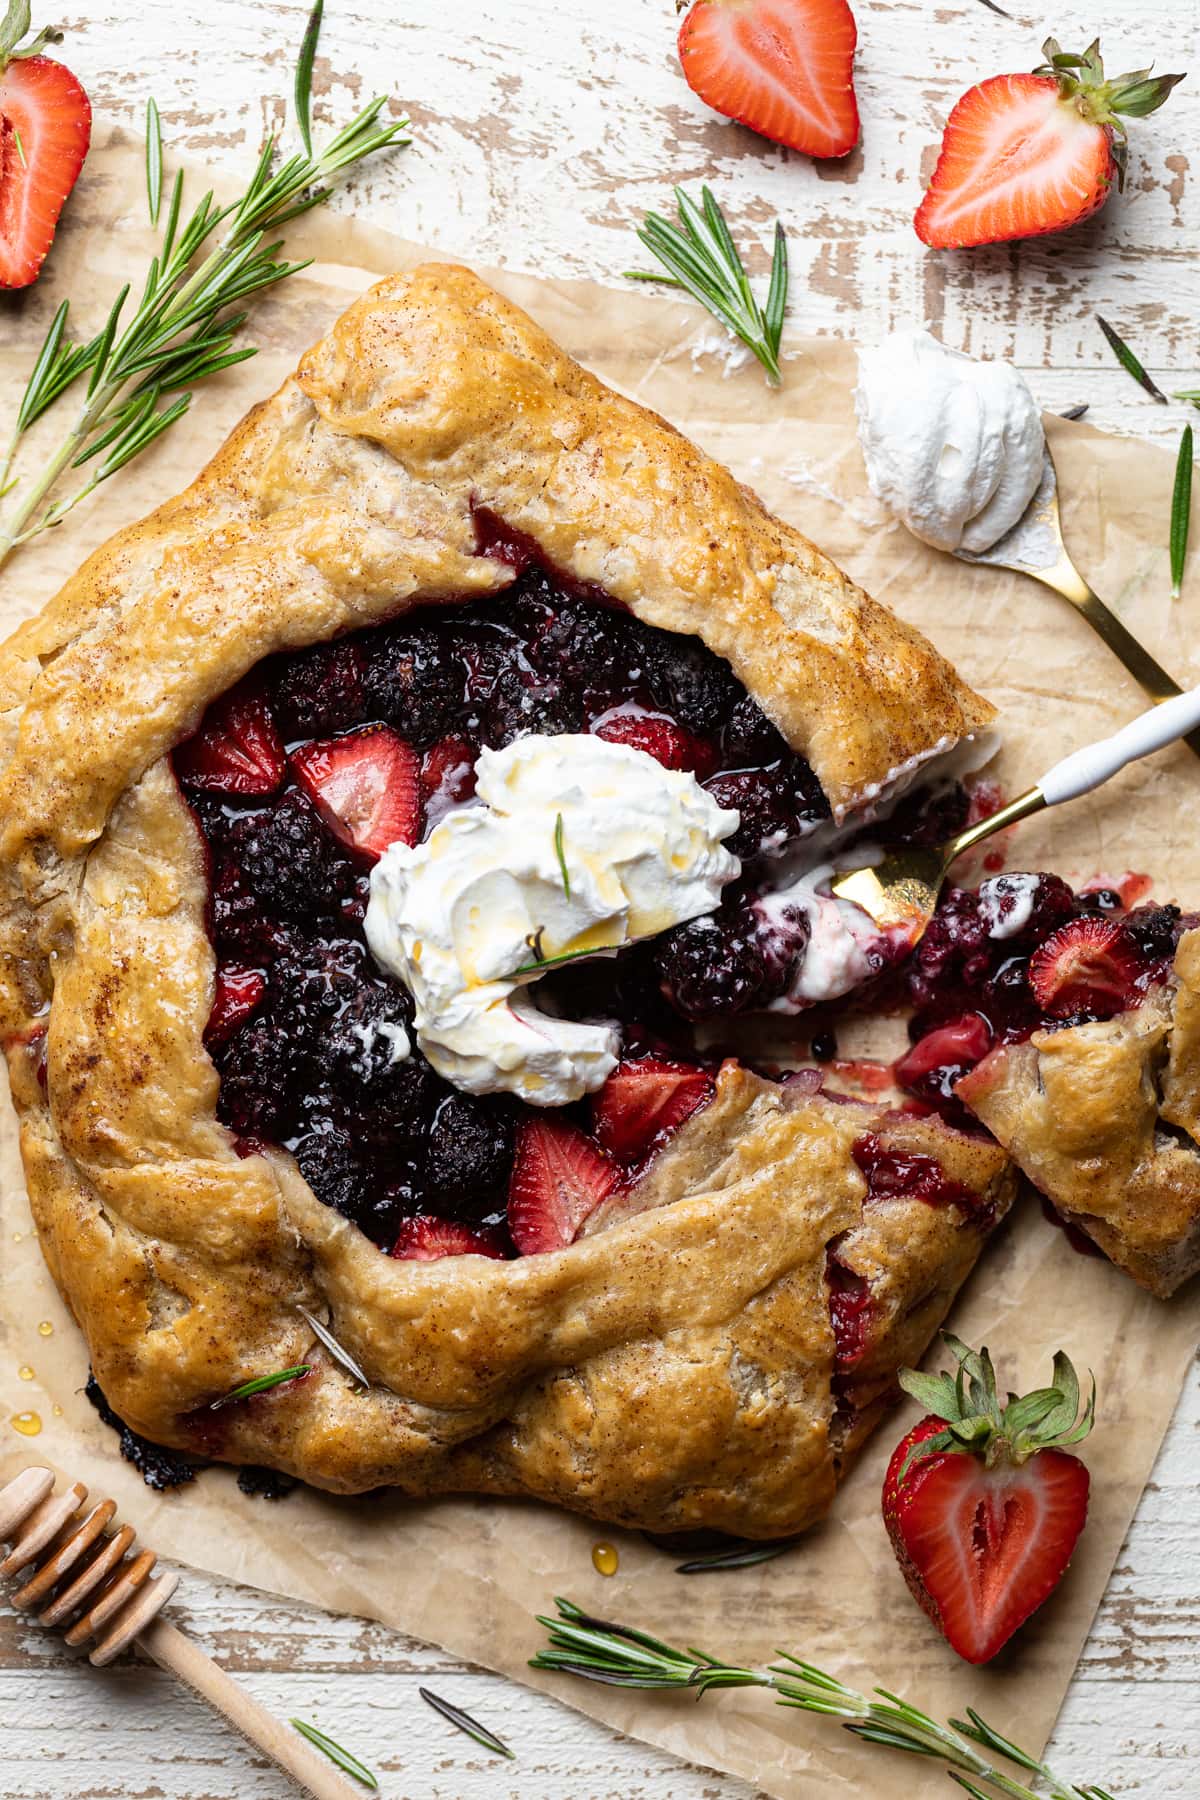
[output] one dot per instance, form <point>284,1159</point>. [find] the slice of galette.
<point>1070,1026</point>
<point>376,821</point>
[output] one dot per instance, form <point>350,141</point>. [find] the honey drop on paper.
<point>25,1372</point>
<point>604,1559</point>
<point>45,1329</point>
<point>57,1410</point>
<point>27,1423</point>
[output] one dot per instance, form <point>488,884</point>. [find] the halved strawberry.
<point>559,1177</point>
<point>237,749</point>
<point>962,1042</point>
<point>983,1503</point>
<point>1087,965</point>
<point>1025,155</point>
<point>660,737</point>
<point>235,996</point>
<point>45,130</point>
<point>641,1103</point>
<point>785,68</point>
<point>366,787</point>
<point>427,1239</point>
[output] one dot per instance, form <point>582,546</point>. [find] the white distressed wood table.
<point>543,131</point>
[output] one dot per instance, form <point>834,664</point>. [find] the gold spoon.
<point>1035,546</point>
<point>901,891</point>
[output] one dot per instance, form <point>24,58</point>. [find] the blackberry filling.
<point>310,1038</point>
<point>1023,954</point>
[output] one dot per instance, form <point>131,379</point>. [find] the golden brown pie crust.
<point>1105,1121</point>
<point>675,1369</point>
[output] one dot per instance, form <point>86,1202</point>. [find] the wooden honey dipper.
<point>78,1573</point>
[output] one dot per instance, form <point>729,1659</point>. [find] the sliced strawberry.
<point>237,749</point>
<point>559,1178</point>
<point>1087,965</point>
<point>365,786</point>
<point>642,1103</point>
<point>427,1239</point>
<point>1025,155</point>
<point>660,737</point>
<point>45,129</point>
<point>448,773</point>
<point>785,68</point>
<point>237,993</point>
<point>960,1044</point>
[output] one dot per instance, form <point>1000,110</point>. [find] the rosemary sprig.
<point>260,1384</point>
<point>183,325</point>
<point>336,1754</point>
<point>620,1656</point>
<point>1129,362</point>
<point>703,259</point>
<point>1181,511</point>
<point>465,1722</point>
<point>561,855</point>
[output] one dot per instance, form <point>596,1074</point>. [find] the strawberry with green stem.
<point>45,130</point>
<point>984,1503</point>
<point>1027,155</point>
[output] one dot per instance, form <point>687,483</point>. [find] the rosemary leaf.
<point>153,159</point>
<point>20,147</point>
<point>465,1722</point>
<point>1192,394</point>
<point>1075,412</point>
<point>738,1556</point>
<point>561,855</point>
<point>323,1334</point>
<point>260,1384</point>
<point>302,92</point>
<point>1130,363</point>
<point>700,256</point>
<point>999,10</point>
<point>344,1760</point>
<point>549,962</point>
<point>1181,511</point>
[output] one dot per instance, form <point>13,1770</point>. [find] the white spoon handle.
<point>1090,767</point>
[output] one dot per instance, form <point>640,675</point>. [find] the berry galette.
<point>391,829</point>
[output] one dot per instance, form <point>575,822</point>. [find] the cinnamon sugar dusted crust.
<point>673,1370</point>
<point>1105,1121</point>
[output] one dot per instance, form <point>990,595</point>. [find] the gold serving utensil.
<point>901,892</point>
<point>82,1573</point>
<point>1035,546</point>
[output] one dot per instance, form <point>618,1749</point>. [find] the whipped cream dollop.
<point>576,846</point>
<point>954,447</point>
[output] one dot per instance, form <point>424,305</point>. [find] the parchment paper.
<point>468,1575</point>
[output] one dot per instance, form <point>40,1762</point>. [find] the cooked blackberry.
<point>713,966</point>
<point>414,681</point>
<point>1155,931</point>
<point>262,1071</point>
<point>518,707</point>
<point>691,683</point>
<point>470,1150</point>
<point>288,860</point>
<point>750,737</point>
<point>775,802</point>
<point>319,690</point>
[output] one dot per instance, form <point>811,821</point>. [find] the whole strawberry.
<point>45,129</point>
<point>983,1503</point>
<point>785,68</point>
<point>1026,155</point>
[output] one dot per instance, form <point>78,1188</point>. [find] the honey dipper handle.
<point>184,1659</point>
